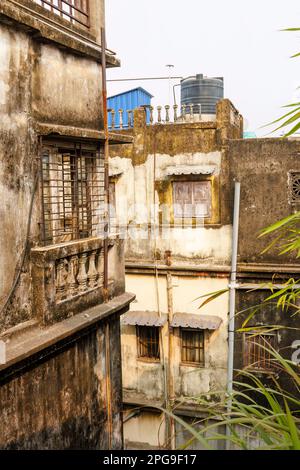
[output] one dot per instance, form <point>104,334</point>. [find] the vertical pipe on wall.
<point>232,291</point>
<point>105,241</point>
<point>106,159</point>
<point>172,436</point>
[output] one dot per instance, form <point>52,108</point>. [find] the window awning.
<point>114,173</point>
<point>143,318</point>
<point>179,170</point>
<point>201,322</point>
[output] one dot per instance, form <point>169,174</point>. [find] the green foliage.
<point>291,119</point>
<point>261,417</point>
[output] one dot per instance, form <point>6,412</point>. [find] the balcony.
<point>74,11</point>
<point>68,278</point>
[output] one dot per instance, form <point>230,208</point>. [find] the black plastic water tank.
<point>202,90</point>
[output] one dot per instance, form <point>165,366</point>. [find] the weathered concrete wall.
<point>38,83</point>
<point>58,400</point>
<point>59,383</point>
<point>142,183</point>
<point>268,315</point>
<point>18,150</point>
<point>66,89</point>
<point>262,166</point>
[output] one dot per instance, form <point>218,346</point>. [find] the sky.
<point>238,40</point>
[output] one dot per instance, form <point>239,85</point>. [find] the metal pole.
<point>231,325</point>
<point>106,162</point>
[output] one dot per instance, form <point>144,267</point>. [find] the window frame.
<point>144,358</point>
<point>193,363</point>
<point>82,193</point>
<point>251,366</point>
<point>192,183</point>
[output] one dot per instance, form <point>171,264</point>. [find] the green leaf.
<point>212,296</point>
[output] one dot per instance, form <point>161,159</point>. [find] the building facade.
<point>62,286</point>
<point>177,216</point>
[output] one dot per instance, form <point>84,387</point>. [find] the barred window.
<point>256,350</point>
<point>72,180</point>
<point>148,342</point>
<point>75,11</point>
<point>192,199</point>
<point>192,346</point>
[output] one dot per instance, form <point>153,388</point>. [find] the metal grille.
<point>192,346</point>
<point>72,181</point>
<point>256,353</point>
<point>75,11</point>
<point>294,186</point>
<point>192,199</point>
<point>148,341</point>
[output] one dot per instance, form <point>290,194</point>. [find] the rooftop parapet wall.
<point>188,134</point>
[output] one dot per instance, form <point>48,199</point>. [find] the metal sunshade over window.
<point>143,318</point>
<point>201,322</point>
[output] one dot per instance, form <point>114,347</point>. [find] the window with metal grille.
<point>72,189</point>
<point>75,11</point>
<point>148,342</point>
<point>294,186</point>
<point>256,350</point>
<point>192,346</point>
<point>192,199</point>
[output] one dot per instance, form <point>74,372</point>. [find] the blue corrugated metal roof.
<point>128,100</point>
<point>130,91</point>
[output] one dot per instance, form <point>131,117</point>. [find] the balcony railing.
<point>75,11</point>
<point>123,119</point>
<point>68,278</point>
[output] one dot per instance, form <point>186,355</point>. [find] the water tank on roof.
<point>202,90</point>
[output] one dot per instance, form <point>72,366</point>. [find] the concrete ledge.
<point>40,339</point>
<point>53,130</point>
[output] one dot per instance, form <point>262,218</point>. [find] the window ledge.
<point>45,26</point>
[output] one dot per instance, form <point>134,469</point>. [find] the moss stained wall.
<point>59,399</point>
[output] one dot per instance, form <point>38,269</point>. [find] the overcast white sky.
<point>237,39</point>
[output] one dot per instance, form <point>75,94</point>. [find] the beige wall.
<point>143,382</point>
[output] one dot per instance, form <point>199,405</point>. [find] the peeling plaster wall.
<point>66,89</point>
<point>142,181</point>
<point>56,398</point>
<point>18,147</point>
<point>38,83</point>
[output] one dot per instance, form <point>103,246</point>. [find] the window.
<point>192,199</point>
<point>256,356</point>
<point>192,346</point>
<point>72,193</point>
<point>75,11</point>
<point>148,342</point>
<point>294,187</point>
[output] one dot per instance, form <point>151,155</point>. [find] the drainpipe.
<point>105,246</point>
<point>232,289</point>
<point>172,435</point>
<point>106,161</point>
